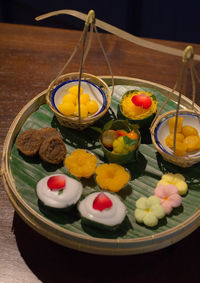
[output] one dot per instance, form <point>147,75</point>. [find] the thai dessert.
<point>59,191</point>
<point>169,197</point>
<point>70,107</point>
<point>149,210</point>
<point>102,210</point>
<point>53,150</point>
<point>81,163</point>
<point>187,137</point>
<point>177,180</point>
<point>45,141</point>
<point>120,141</point>
<point>138,106</point>
<point>112,177</point>
<point>49,132</point>
<point>29,142</point>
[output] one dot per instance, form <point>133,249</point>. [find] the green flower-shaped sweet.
<point>149,211</point>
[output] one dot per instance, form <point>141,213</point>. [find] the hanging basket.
<point>160,126</point>
<point>98,89</point>
<point>160,130</point>
<point>92,85</point>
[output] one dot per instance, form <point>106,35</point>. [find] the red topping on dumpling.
<point>56,182</point>
<point>142,100</point>
<point>102,202</point>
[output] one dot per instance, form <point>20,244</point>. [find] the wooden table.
<point>30,58</point>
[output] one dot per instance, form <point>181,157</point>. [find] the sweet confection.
<point>102,210</point>
<point>45,141</point>
<point>49,132</point>
<point>187,137</point>
<point>172,121</point>
<point>169,197</point>
<point>29,142</point>
<point>81,163</point>
<point>149,211</point>
<point>120,141</point>
<point>53,150</point>
<point>112,177</point>
<point>59,191</point>
<point>69,105</point>
<point>177,180</point>
<point>138,106</point>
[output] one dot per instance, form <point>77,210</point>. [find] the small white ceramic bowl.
<point>93,85</point>
<point>162,131</point>
<point>95,93</point>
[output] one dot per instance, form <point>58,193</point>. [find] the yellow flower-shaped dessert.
<point>112,177</point>
<point>177,180</point>
<point>81,163</point>
<point>149,211</point>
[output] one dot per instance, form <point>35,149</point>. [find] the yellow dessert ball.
<point>189,131</point>
<point>67,108</point>
<point>70,97</point>
<point>74,90</point>
<point>83,110</point>
<point>172,122</point>
<point>92,106</point>
<point>84,98</point>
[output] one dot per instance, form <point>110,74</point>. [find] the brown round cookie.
<point>29,142</point>
<point>53,150</point>
<point>49,132</point>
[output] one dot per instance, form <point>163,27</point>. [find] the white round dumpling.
<point>59,191</point>
<point>104,208</point>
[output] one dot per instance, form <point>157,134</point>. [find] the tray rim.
<point>28,214</point>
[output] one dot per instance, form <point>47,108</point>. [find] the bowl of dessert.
<point>120,141</point>
<point>180,146</point>
<point>139,107</point>
<point>78,105</point>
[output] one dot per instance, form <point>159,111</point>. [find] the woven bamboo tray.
<point>20,177</point>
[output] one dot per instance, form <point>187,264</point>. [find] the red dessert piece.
<point>56,182</point>
<point>142,100</point>
<point>121,133</point>
<point>102,202</point>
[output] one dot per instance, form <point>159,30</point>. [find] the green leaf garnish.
<point>108,125</point>
<point>99,130</point>
<point>60,192</point>
<point>129,141</point>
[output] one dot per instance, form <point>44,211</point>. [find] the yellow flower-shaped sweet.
<point>81,163</point>
<point>149,211</point>
<point>112,177</point>
<point>177,180</point>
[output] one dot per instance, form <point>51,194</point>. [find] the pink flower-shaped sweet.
<point>169,197</point>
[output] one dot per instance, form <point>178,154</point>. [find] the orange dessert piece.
<point>192,143</point>
<point>81,163</point>
<point>172,121</point>
<point>187,137</point>
<point>112,177</point>
<point>189,131</point>
<point>170,139</point>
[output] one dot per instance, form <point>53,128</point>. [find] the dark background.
<point>171,20</point>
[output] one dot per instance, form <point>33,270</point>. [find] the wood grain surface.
<point>30,58</point>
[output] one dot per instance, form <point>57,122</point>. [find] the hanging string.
<point>106,58</point>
